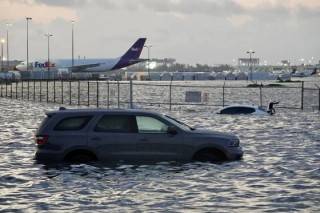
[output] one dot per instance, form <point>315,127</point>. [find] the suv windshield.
<point>179,123</point>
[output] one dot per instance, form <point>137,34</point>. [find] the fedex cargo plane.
<point>132,56</point>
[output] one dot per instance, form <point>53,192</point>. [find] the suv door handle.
<point>96,139</point>
<point>143,139</point>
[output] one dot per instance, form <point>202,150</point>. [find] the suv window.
<point>150,125</point>
<point>72,123</point>
<point>116,123</point>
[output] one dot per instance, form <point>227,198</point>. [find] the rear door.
<point>112,138</point>
<point>153,141</point>
<point>70,131</point>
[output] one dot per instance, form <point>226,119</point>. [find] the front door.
<point>153,141</point>
<point>113,137</point>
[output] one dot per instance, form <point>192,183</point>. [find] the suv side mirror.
<point>172,130</point>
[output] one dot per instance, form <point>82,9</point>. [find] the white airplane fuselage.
<point>105,65</point>
<point>130,57</point>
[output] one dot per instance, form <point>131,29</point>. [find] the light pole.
<point>148,47</point>
<point>8,25</point>
<point>28,19</point>
<point>72,41</point>
<point>2,42</point>
<point>48,36</point>
<point>250,52</point>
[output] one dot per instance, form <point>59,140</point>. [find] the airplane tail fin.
<point>132,55</point>
<point>135,50</point>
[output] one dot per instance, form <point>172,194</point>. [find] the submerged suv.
<point>81,135</point>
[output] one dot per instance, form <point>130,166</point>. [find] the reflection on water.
<point>280,171</point>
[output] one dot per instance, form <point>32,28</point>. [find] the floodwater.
<point>280,171</point>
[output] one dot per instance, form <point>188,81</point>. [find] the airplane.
<point>90,65</point>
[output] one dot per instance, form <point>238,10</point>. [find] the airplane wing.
<point>80,68</point>
<point>134,61</point>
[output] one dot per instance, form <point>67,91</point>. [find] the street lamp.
<point>48,36</point>
<point>148,47</point>
<point>2,42</point>
<point>8,25</point>
<point>28,19</point>
<point>72,41</point>
<point>234,62</point>
<point>250,52</point>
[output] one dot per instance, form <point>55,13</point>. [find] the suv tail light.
<point>42,139</point>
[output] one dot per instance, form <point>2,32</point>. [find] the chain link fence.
<point>172,95</point>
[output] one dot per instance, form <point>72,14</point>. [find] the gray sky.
<point>192,31</point>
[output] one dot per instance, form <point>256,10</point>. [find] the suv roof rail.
<point>62,108</point>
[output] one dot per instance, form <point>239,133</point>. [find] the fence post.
<point>47,96</point>
<point>118,99</point>
<point>108,92</point>
<point>22,90</point>
<point>54,90</point>
<point>260,94</point>
<point>34,90</point>
<point>70,95</point>
<point>131,94</point>
<point>11,90</point>
<point>78,92</point>
<point>170,94</point>
<point>97,93</point>
<point>319,100</point>
<point>6,88</point>
<point>40,98</point>
<point>17,89</point>
<point>1,89</point>
<point>302,94</point>
<point>88,93</point>
<point>28,90</point>
<point>61,91</point>
<point>223,93</point>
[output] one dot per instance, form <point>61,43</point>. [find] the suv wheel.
<point>209,155</point>
<point>80,157</point>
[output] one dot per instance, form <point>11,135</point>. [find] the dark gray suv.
<point>80,135</point>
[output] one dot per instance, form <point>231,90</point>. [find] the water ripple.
<point>280,171</point>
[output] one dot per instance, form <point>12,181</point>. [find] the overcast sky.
<point>192,31</point>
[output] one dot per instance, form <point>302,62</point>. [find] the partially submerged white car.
<point>248,109</point>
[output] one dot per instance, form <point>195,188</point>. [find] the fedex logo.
<point>135,49</point>
<point>43,65</point>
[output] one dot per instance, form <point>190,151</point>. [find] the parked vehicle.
<point>81,135</point>
<point>248,109</point>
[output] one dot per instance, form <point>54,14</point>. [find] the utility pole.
<point>48,36</point>
<point>28,19</point>
<point>2,42</point>
<point>250,52</point>
<point>8,25</point>
<point>148,47</point>
<point>72,41</point>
